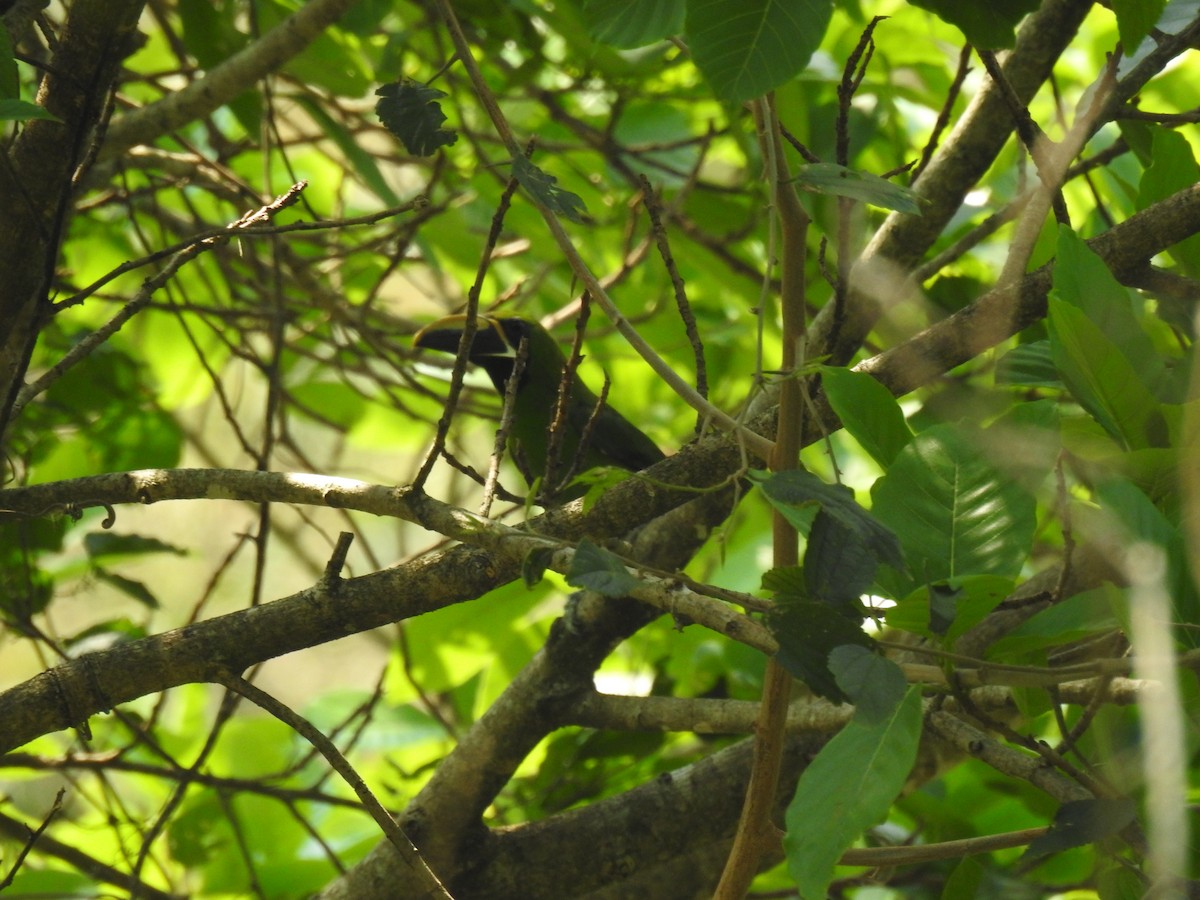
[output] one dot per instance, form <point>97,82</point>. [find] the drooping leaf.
<point>410,111</point>
<point>847,788</point>
<point>544,188</point>
<point>135,589</point>
<point>868,411</point>
<point>956,514</point>
<point>791,491</point>
<point>830,178</point>
<point>744,48</point>
<point>807,632</point>
<point>987,24</point>
<point>595,569</point>
<point>627,25</point>
<point>874,684</point>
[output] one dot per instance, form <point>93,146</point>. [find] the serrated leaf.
<point>410,111</point>
<point>830,178</point>
<point>807,632</point>
<point>868,411</point>
<point>595,569</point>
<point>628,25</point>
<point>747,48</point>
<point>1077,823</point>
<point>543,187</point>
<point>846,789</point>
<point>874,684</point>
<point>956,513</point>
<point>987,24</point>
<point>792,491</point>
<point>786,583</point>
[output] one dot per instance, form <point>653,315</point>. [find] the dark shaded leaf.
<point>943,606</point>
<point>838,566</point>
<point>534,565</point>
<point>874,684</point>
<point>807,632</point>
<point>544,188</point>
<point>595,569</point>
<point>135,589</point>
<point>791,491</point>
<point>1077,823</point>
<point>410,111</point>
<point>108,544</point>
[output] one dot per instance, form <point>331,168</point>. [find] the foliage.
<point>980,573</point>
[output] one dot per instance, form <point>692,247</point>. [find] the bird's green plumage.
<point>612,440</point>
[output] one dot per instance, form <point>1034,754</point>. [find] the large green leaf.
<point>745,48</point>
<point>847,788</point>
<point>868,411</point>
<point>1135,18</point>
<point>987,24</point>
<point>628,24</point>
<point>1082,279</point>
<point>956,514</point>
<point>1101,379</point>
<point>1172,168</point>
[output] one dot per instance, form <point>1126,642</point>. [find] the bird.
<point>592,434</point>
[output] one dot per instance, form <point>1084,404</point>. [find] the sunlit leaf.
<point>987,24</point>
<point>627,24</point>
<point>748,47</point>
<point>868,411</point>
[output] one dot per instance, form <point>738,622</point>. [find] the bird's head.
<point>494,345</point>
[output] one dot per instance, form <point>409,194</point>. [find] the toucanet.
<point>607,437</point>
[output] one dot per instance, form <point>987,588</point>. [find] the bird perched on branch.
<point>590,433</point>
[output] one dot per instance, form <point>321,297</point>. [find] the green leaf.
<point>1101,380</point>
<point>110,545</point>
<point>534,565</point>
<point>868,411</point>
<point>544,189</point>
<point>1083,615</point>
<point>807,632</point>
<point>846,789</point>
<point>1082,279</point>
<point>1172,168</point>
<point>745,48</point>
<point>956,514</point>
<point>595,569</point>
<point>20,111</point>
<point>135,589</point>
<point>1135,18</point>
<point>627,24</point>
<point>875,684</point>
<point>1028,365</point>
<point>410,111</point>
<point>988,24</point>
<point>791,491</point>
<point>973,598</point>
<point>830,178</point>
